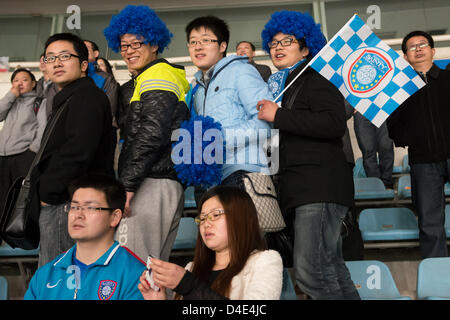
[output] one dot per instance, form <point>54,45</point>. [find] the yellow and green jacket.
<point>157,107</point>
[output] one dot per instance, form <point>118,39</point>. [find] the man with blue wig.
<point>316,184</point>
<point>155,197</point>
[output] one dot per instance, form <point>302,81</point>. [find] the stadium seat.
<point>405,166</point>
<point>447,189</point>
<point>447,220</point>
<point>373,280</point>
<point>288,290</point>
<point>388,224</point>
<point>189,200</point>
<point>433,279</point>
<point>3,288</point>
<point>404,187</point>
<point>371,188</point>
<point>358,169</point>
<point>23,259</point>
<point>186,235</point>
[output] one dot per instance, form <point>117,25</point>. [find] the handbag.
<point>261,189</point>
<point>19,223</point>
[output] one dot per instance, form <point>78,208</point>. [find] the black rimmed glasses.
<point>61,57</point>
<point>286,42</point>
<point>421,45</point>
<point>134,45</point>
<point>213,215</point>
<point>203,42</point>
<point>72,208</point>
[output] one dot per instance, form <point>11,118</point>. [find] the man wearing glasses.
<point>228,90</point>
<point>155,197</point>
<point>79,142</point>
<point>96,267</point>
<point>422,123</point>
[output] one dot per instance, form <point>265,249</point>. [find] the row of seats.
<point>391,224</point>
<point>359,172</point>
<point>374,280</point>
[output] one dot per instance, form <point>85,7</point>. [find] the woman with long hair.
<point>230,259</point>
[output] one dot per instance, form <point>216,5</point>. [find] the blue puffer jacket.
<point>230,98</point>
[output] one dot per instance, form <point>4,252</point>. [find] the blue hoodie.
<point>114,276</point>
<point>230,98</point>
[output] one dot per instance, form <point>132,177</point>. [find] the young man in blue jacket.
<point>96,267</point>
<point>228,90</point>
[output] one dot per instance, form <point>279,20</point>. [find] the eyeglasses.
<point>133,45</point>
<point>72,208</point>
<point>213,215</point>
<point>203,42</point>
<point>61,57</point>
<point>418,45</point>
<point>286,42</point>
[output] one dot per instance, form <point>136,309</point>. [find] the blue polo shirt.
<point>114,276</point>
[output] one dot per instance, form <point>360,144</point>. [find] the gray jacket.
<point>22,128</point>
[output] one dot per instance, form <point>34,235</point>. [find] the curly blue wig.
<point>300,25</point>
<point>138,20</point>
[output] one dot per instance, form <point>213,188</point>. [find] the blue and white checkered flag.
<point>373,78</point>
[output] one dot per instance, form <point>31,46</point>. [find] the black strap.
<point>293,95</point>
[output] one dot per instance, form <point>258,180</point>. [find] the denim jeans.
<point>320,269</point>
<point>54,231</point>
<point>427,190</point>
<point>373,140</point>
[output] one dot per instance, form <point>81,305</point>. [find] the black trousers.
<point>11,168</point>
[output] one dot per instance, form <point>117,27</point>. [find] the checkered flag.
<point>373,78</point>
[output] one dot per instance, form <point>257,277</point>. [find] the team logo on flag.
<point>367,71</point>
<point>106,289</point>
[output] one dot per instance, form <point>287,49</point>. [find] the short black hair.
<point>417,33</point>
<point>94,45</point>
<point>218,26</point>
<point>78,44</point>
<point>113,189</point>
<point>251,44</point>
<point>22,70</point>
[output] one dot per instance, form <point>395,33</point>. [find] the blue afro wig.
<point>300,25</point>
<point>138,20</point>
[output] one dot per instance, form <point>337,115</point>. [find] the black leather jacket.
<point>153,115</point>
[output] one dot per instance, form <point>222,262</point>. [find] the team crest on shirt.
<point>106,289</point>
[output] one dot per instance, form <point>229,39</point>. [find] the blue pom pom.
<point>207,173</point>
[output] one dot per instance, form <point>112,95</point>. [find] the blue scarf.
<point>98,79</point>
<point>277,81</point>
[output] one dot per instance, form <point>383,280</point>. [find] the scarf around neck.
<point>277,81</point>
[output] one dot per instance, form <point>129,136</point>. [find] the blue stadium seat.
<point>405,166</point>
<point>7,251</point>
<point>358,169</point>
<point>404,187</point>
<point>371,188</point>
<point>3,288</point>
<point>373,280</point>
<point>447,189</point>
<point>447,220</point>
<point>288,290</point>
<point>186,235</point>
<point>433,279</point>
<point>189,200</point>
<point>388,224</point>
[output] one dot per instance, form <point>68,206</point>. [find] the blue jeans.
<point>54,231</point>
<point>320,269</point>
<point>373,140</point>
<point>427,190</point>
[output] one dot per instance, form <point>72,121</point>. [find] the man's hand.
<point>15,89</point>
<point>127,210</point>
<point>267,110</point>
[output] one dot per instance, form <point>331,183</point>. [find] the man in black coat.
<point>422,123</point>
<point>315,180</point>
<point>79,143</point>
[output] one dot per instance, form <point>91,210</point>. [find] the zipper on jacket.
<point>433,127</point>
